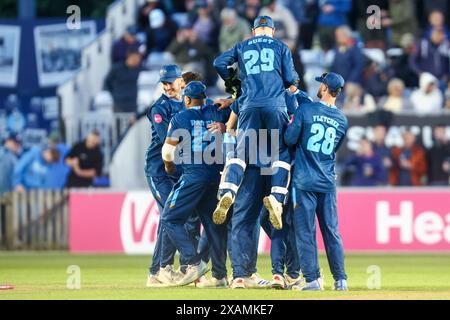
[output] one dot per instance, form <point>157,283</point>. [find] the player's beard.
<point>319,94</point>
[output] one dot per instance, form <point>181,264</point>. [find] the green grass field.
<point>42,275</point>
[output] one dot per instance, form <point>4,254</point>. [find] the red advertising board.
<point>369,220</point>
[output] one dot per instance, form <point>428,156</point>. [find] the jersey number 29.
<point>317,142</point>
<point>267,57</point>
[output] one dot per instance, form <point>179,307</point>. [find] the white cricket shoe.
<point>238,283</point>
<point>256,282</point>
<point>213,283</point>
<point>168,276</point>
<point>154,282</point>
<point>295,282</point>
<point>193,272</point>
<point>275,209</point>
<point>224,205</point>
<point>278,282</point>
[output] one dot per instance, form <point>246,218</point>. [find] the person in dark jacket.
<point>432,56</point>
<point>333,13</point>
<point>367,166</point>
<point>121,82</point>
<point>127,43</point>
<point>349,59</point>
<point>438,158</point>
<point>86,162</point>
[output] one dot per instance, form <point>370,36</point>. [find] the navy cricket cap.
<point>332,80</point>
<point>195,90</point>
<point>169,73</point>
<point>263,21</point>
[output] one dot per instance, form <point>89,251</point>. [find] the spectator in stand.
<point>447,97</point>
<point>8,159</point>
<point>430,6</point>
<point>333,13</point>
<point>143,20</point>
<point>358,101</point>
<point>121,82</point>
<point>306,13</point>
<point>9,153</point>
<point>366,165</point>
<point>428,99</point>
<point>205,26</point>
<point>436,21</point>
<point>349,59</point>
<point>399,62</point>
<point>86,162</point>
<point>286,27</point>
<point>376,78</point>
<point>373,37</point>
<point>396,101</point>
<point>402,19</point>
<point>382,151</point>
<point>160,32</point>
<point>409,163</point>
<point>438,158</point>
<point>192,54</point>
<point>432,56</point>
<point>127,43</point>
<point>250,10</point>
<point>59,171</point>
<point>234,29</point>
<point>32,169</point>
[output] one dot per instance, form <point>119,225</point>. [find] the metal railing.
<point>34,220</point>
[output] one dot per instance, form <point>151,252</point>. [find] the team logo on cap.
<point>263,21</point>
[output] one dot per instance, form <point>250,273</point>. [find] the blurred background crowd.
<point>395,60</point>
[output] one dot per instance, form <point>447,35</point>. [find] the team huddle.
<point>265,157</point>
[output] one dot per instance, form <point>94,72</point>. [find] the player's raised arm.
<point>223,63</point>
<point>290,76</point>
<point>292,134</point>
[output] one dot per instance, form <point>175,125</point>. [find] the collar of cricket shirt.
<point>196,108</point>
<point>328,105</point>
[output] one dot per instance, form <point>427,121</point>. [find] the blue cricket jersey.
<point>199,142</point>
<point>159,115</point>
<point>266,70</point>
<point>317,131</point>
<point>291,101</point>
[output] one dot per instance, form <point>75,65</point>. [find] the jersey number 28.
<point>266,56</point>
<point>317,142</point>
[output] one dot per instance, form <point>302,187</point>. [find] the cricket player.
<point>266,70</point>
<point>317,131</point>
<point>159,181</point>
<point>283,251</point>
<point>196,190</point>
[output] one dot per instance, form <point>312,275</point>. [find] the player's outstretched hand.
<point>217,127</point>
<point>223,103</point>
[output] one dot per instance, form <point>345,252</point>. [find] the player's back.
<point>261,72</point>
<point>197,145</point>
<point>323,130</point>
<point>266,69</point>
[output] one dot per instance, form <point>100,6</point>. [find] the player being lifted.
<point>266,70</point>
<point>317,131</point>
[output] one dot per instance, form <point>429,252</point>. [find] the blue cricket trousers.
<point>191,196</point>
<point>306,206</point>
<point>160,188</point>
